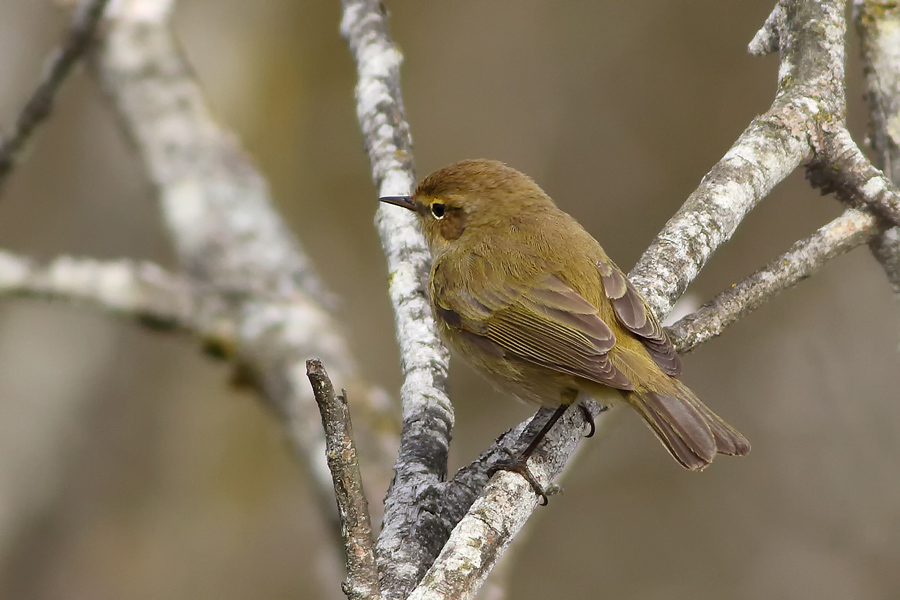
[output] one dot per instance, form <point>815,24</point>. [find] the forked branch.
<point>804,126</point>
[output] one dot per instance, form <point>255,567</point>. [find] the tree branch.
<point>229,237</point>
<point>809,100</point>
<point>356,526</point>
<point>136,290</point>
<point>878,24</point>
<point>810,92</point>
<point>403,551</point>
<point>804,259</point>
<point>481,537</point>
<point>38,107</point>
<point>844,169</point>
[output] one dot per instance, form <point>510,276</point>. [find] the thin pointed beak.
<point>404,201</point>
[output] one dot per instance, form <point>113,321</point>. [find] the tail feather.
<point>689,430</point>
<point>728,439</point>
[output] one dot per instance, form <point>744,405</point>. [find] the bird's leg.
<point>540,435</point>
<point>519,463</point>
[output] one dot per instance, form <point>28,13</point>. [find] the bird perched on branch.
<point>531,300</point>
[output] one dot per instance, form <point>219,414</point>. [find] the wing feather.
<point>632,312</point>
<point>545,323</point>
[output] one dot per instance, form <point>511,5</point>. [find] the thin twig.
<point>356,525</point>
<point>38,107</point>
<point>805,258</point>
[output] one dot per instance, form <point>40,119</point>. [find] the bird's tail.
<point>691,432</point>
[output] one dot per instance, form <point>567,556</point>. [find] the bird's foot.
<point>517,464</point>
<point>589,418</point>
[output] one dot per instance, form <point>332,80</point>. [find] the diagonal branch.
<point>810,93</point>
<point>803,260</point>
<point>39,105</point>
<point>844,169</point>
<point>228,237</point>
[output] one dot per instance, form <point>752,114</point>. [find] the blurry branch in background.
<point>77,40</point>
<point>135,290</point>
<point>245,288</point>
<point>804,126</point>
<point>878,25</point>
<point>231,241</point>
<point>356,524</point>
<point>21,277</point>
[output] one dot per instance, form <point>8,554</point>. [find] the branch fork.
<point>804,126</point>
<point>440,536</point>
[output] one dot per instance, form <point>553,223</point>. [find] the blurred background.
<point>129,468</point>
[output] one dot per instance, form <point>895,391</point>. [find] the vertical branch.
<point>805,258</point>
<point>353,509</point>
<point>427,413</point>
<point>878,24</point>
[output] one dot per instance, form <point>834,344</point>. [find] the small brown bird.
<point>529,298</point>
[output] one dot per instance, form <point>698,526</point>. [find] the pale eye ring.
<point>438,209</point>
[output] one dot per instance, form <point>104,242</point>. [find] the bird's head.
<point>471,197</point>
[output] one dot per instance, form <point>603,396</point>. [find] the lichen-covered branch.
<point>804,259</point>
<point>844,169</point>
<point>809,104</point>
<point>506,503</point>
<point>403,552</point>
<point>810,92</point>
<point>38,107</point>
<point>767,152</point>
<point>878,24</point>
<point>133,290</point>
<point>804,126</point>
<point>229,237</point>
<point>353,509</point>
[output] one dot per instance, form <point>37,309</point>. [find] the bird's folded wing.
<point>545,323</point>
<point>634,314</point>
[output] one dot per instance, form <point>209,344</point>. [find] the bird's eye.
<point>437,209</point>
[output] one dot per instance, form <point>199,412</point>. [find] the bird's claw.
<point>517,465</point>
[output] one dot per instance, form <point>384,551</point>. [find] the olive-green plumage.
<point>527,296</point>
